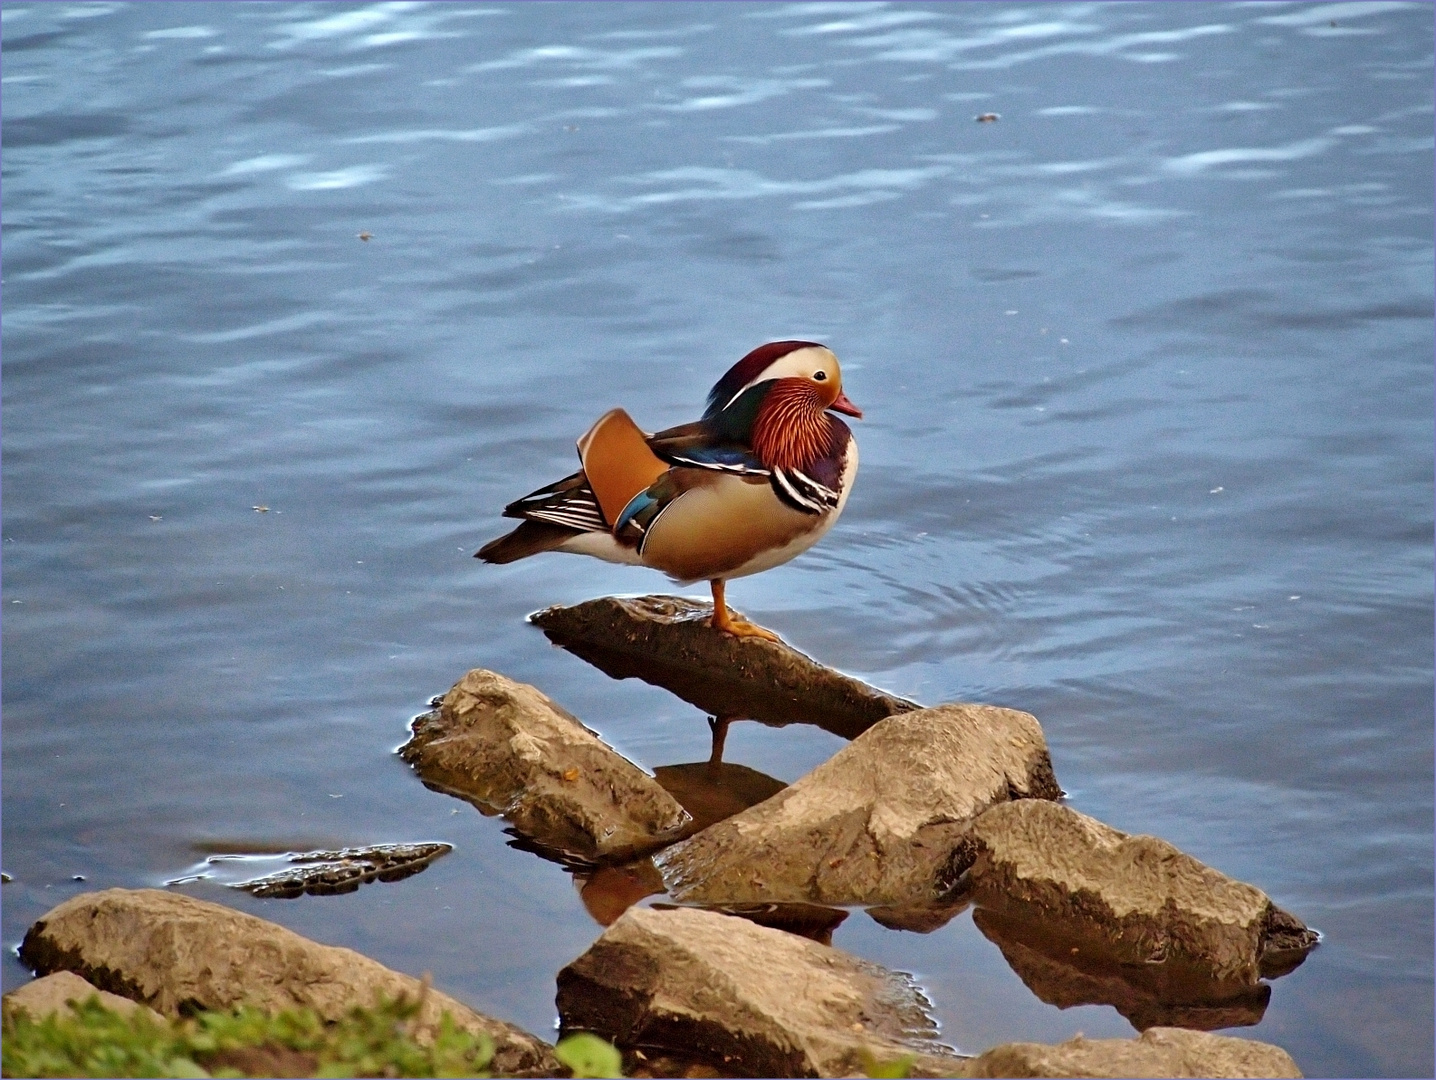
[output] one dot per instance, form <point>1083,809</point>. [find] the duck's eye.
<point>820,376</point>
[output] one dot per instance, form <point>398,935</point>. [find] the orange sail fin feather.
<point>617,461</point>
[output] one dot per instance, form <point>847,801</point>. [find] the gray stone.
<point>669,642</point>
<point>748,1000</point>
<point>1159,1052</point>
<point>875,823</point>
<point>1137,897</point>
<point>54,993</point>
<point>507,749</point>
<point>327,873</point>
<point>171,951</point>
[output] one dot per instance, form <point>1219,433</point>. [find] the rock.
<point>875,823</point>
<point>1137,898</point>
<point>748,1000</point>
<point>506,748</point>
<point>1065,974</point>
<point>54,992</point>
<point>326,873</point>
<point>668,641</point>
<point>173,952</point>
<point>1159,1052</point>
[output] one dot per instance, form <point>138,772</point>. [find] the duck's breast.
<point>728,526</point>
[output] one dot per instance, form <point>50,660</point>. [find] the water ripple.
<point>719,184</point>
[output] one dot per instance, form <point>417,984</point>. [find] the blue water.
<point>1146,363</point>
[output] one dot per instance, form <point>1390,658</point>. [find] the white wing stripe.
<point>573,518</point>
<point>717,466</point>
<point>782,478</point>
<point>815,489</point>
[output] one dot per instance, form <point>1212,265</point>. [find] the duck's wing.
<point>576,513</point>
<point>617,466</point>
<point>569,502</point>
<point>695,446</point>
<point>639,515</point>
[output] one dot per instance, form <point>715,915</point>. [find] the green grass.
<point>93,1041</point>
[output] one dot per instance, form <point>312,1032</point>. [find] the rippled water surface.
<point>1147,368</point>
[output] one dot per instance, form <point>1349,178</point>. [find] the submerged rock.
<point>507,749</point>
<point>54,993</point>
<point>173,952</point>
<point>1159,1052</point>
<point>748,1000</point>
<point>669,642</point>
<point>1137,899</point>
<point>326,873</point>
<point>876,822</point>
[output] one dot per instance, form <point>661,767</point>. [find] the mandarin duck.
<point>758,480</point>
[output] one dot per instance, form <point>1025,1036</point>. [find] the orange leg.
<point>729,625</point>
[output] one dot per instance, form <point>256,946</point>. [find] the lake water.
<point>1146,363</point>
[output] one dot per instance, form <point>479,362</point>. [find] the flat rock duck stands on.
<point>758,480</point>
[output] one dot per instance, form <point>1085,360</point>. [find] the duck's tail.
<point>530,538</point>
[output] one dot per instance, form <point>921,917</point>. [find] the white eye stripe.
<point>797,364</point>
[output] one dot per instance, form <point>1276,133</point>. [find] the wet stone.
<point>876,822</point>
<point>746,999</point>
<point>507,749</point>
<point>1064,971</point>
<point>1134,900</point>
<point>54,993</point>
<point>326,873</point>
<point>176,954</point>
<point>668,641</point>
<point>1159,1052</point>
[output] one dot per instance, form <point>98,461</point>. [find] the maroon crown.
<point>748,369</point>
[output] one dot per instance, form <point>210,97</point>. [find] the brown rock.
<point>873,824</point>
<point>278,1062</point>
<point>669,642</point>
<point>55,992</point>
<point>1137,897</point>
<point>506,748</point>
<point>1064,971</point>
<point>748,1000</point>
<point>172,951</point>
<point>1159,1052</point>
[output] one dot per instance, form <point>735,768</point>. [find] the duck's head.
<point>793,368</point>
